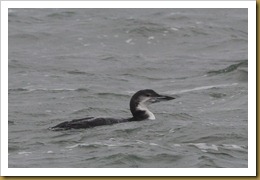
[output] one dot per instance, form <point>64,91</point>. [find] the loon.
<point>138,106</point>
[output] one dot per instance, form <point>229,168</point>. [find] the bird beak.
<point>165,98</point>
<point>160,98</point>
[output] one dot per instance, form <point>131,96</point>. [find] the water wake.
<point>201,88</point>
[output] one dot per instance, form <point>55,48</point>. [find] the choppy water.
<point>72,63</point>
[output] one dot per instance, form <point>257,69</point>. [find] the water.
<point>72,63</point>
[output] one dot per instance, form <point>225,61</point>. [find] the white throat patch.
<point>143,107</point>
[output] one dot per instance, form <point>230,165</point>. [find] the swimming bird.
<point>138,106</point>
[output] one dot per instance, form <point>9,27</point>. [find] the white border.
<point>250,171</point>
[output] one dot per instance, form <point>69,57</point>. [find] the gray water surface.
<point>73,63</point>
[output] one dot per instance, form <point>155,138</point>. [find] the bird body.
<point>138,106</point>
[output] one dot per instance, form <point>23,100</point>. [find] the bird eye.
<point>148,95</point>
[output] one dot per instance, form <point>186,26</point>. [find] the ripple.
<point>228,69</point>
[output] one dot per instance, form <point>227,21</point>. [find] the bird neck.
<point>140,111</point>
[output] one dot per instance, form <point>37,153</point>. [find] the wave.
<point>11,90</point>
<point>61,15</point>
<point>205,147</point>
<point>146,28</point>
<point>228,69</point>
<point>112,94</point>
<point>77,72</point>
